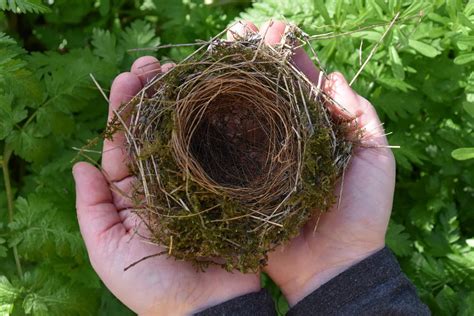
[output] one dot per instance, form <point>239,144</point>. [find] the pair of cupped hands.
<point>350,232</point>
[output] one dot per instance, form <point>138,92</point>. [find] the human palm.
<point>159,285</point>
<point>355,226</point>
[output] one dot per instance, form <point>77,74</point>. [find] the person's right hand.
<point>159,285</point>
<point>354,229</point>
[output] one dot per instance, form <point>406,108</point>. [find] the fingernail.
<point>74,169</point>
<point>338,78</point>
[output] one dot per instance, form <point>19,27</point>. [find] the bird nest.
<point>234,150</point>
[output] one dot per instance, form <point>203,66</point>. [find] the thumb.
<point>347,104</point>
<point>344,102</point>
<point>96,213</point>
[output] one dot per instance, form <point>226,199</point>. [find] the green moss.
<point>212,227</point>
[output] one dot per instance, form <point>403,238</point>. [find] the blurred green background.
<point>420,80</point>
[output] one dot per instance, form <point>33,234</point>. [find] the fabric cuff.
<point>257,303</point>
<point>350,284</point>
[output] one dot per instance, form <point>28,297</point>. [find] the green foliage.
<point>463,153</point>
<point>23,6</point>
<point>421,81</point>
<point>281,305</point>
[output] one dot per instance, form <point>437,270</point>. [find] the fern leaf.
<point>23,6</point>
<point>398,240</point>
<point>8,294</point>
<point>48,293</point>
<point>40,232</point>
<point>139,34</point>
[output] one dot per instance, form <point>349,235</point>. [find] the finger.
<point>133,223</point>
<point>146,68</point>
<point>241,29</point>
<point>167,67</point>
<point>122,192</point>
<point>304,63</point>
<point>349,105</point>
<point>344,101</point>
<point>272,32</point>
<point>95,211</point>
<point>114,156</point>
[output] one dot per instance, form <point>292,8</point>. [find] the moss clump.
<point>233,152</point>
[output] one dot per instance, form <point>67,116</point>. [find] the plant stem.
<point>374,49</point>
<point>8,188</point>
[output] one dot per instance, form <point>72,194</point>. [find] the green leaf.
<point>33,304</point>
<point>414,8</point>
<point>463,153</point>
<point>3,249</point>
<point>23,6</point>
<point>105,46</point>
<point>466,307</point>
<point>40,232</point>
<point>8,294</point>
<point>15,79</point>
<point>464,59</point>
<point>67,77</point>
<point>110,305</point>
<point>372,36</point>
<point>320,7</point>
<point>60,124</point>
<point>139,34</point>
<point>51,294</point>
<point>9,116</point>
<point>398,240</point>
<point>30,144</point>
<point>464,20</point>
<point>423,48</point>
<point>6,40</point>
<point>469,108</point>
<point>104,7</point>
<point>397,66</point>
<point>465,40</point>
<point>282,305</point>
<point>382,5</point>
<point>446,300</point>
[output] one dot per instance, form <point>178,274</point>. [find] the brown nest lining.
<point>233,151</point>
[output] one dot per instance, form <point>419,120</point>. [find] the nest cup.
<point>234,151</point>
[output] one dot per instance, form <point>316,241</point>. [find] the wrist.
<point>234,291</point>
<point>313,278</point>
<point>202,290</point>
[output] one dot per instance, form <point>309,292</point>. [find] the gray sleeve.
<point>259,303</point>
<point>375,286</point>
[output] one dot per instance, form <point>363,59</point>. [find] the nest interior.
<point>233,152</point>
<point>230,142</point>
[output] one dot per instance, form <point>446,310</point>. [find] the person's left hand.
<point>159,285</point>
<point>355,227</point>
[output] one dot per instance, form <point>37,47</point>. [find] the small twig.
<point>143,259</point>
<point>342,188</point>
<point>330,35</point>
<point>317,222</point>
<point>374,49</point>
<point>7,152</point>
<point>170,248</point>
<point>99,87</point>
<point>167,46</point>
<point>88,150</point>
